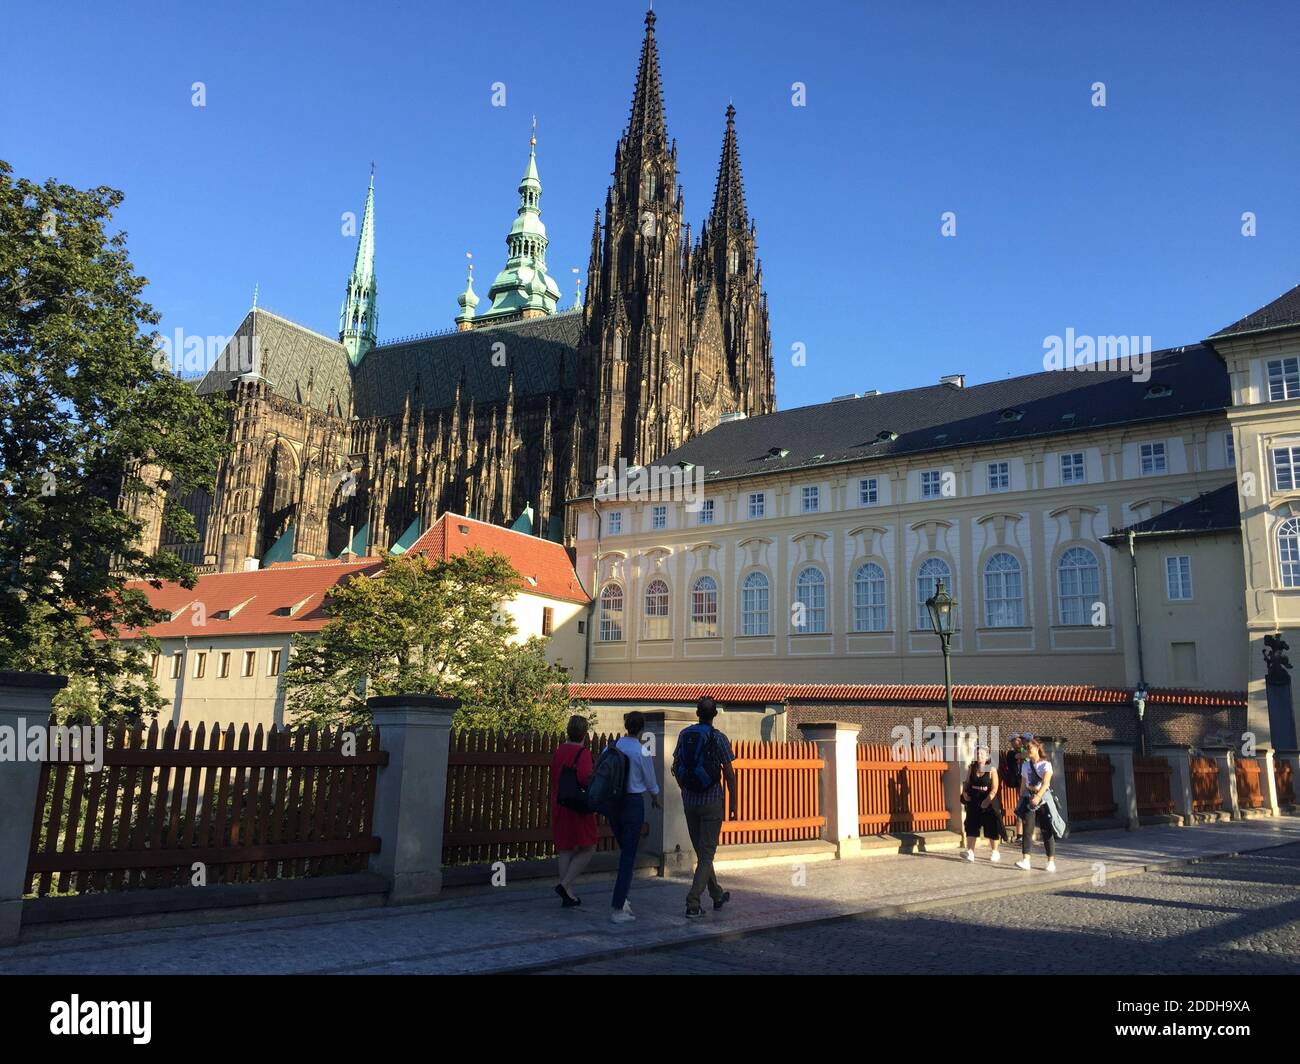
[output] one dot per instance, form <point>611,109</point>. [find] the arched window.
<point>1004,596</point>
<point>704,607</point>
<point>1078,579</point>
<point>932,570</point>
<point>656,610</point>
<point>810,594</point>
<point>611,614</point>
<point>1288,551</point>
<point>650,185</point>
<point>754,605</point>
<point>870,613</point>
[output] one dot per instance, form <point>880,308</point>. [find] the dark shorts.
<point>986,822</point>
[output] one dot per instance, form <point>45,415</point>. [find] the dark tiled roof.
<point>287,355</point>
<point>943,416</point>
<point>1215,511</point>
<point>1282,313</point>
<point>542,353</point>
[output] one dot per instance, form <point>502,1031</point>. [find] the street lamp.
<point>1140,704</point>
<point>943,613</point>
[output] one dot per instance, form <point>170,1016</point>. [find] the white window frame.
<point>611,614</point>
<point>929,571</point>
<point>704,608</point>
<point>810,499</point>
<point>756,604</point>
<point>1004,592</point>
<point>658,517</point>
<point>1285,383</point>
<point>614,525</point>
<point>757,505</point>
<point>1178,577</point>
<point>1285,463</point>
<point>999,474</point>
<point>812,594</point>
<point>273,663</point>
<point>1074,468</point>
<point>705,516</point>
<point>931,483</point>
<point>870,598</point>
<point>1153,459</point>
<point>869,491</point>
<point>1288,552</point>
<point>657,610</point>
<point>1081,593</point>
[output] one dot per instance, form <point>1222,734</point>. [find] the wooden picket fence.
<point>499,797</point>
<point>1152,780</point>
<point>1205,785</point>
<point>1088,783</point>
<point>778,793</point>
<point>896,795</point>
<point>1282,775</point>
<point>266,805</point>
<point>1250,793</point>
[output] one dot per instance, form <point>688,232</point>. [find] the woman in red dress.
<point>575,833</point>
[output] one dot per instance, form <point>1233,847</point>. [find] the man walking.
<point>701,760</point>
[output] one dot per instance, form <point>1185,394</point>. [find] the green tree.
<point>521,691</point>
<point>418,627</point>
<point>88,412</point>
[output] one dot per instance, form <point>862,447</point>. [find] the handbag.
<point>569,792</point>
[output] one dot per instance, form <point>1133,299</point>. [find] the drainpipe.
<point>1139,701</point>
<point>180,687</point>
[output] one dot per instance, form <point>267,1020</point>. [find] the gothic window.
<point>704,607</point>
<point>754,605</point>
<point>656,610</point>
<point>870,613</point>
<point>650,185</point>
<point>810,593</point>
<point>1078,577</point>
<point>611,614</point>
<point>618,346</point>
<point>1004,599</point>
<point>733,261</point>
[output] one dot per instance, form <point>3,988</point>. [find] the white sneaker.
<point>622,916</point>
<point>969,855</point>
<point>1051,866</point>
<point>995,856</point>
<point>627,906</point>
<point>1023,864</point>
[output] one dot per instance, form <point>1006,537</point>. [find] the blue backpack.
<point>696,764</point>
<point>608,782</point>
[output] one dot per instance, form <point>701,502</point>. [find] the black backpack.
<point>569,792</point>
<point>608,782</point>
<point>696,764</point>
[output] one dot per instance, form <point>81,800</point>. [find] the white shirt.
<point>640,767</point>
<point>1027,779</point>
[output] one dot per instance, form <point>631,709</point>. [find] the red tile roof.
<point>1021,694</point>
<point>256,595</point>
<point>545,567</point>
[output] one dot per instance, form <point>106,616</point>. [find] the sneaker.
<point>627,906</point>
<point>1023,864</point>
<point>995,856</point>
<point>969,855</point>
<point>1051,866</point>
<point>718,903</point>
<point>694,912</point>
<point>621,916</point>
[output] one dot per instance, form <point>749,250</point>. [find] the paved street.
<point>1228,912</point>
<point>1234,916</point>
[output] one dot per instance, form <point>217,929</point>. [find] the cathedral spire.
<point>647,119</point>
<point>729,194</point>
<point>359,318</point>
<point>467,300</point>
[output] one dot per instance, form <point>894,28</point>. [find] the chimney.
<point>957,380</point>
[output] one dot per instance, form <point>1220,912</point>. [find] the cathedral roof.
<point>1184,381</point>
<point>288,356</point>
<point>541,353</point>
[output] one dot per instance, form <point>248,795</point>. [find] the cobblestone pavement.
<point>522,927</point>
<point>1231,916</point>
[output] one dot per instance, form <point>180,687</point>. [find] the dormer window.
<point>1011,414</point>
<point>886,436</point>
<point>1158,391</point>
<point>777,452</point>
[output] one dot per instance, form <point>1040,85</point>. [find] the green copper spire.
<point>468,301</point>
<point>524,288</point>
<point>359,318</point>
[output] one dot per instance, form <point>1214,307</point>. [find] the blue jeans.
<point>627,829</point>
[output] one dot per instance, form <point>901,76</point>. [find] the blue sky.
<point>1117,220</point>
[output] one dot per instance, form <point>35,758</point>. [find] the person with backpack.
<point>701,760</point>
<point>983,810</point>
<point>624,775</point>
<point>1038,805</point>
<point>1010,777</point>
<point>573,824</point>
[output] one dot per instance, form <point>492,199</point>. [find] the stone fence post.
<point>668,835</point>
<point>411,793</point>
<point>25,700</point>
<point>1055,751</point>
<point>837,743</point>
<point>1180,777</point>
<point>1225,760</point>
<point>1268,781</point>
<point>1123,781</point>
<point>1292,758</point>
<point>959,746</point>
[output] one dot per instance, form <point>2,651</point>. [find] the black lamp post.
<point>943,614</point>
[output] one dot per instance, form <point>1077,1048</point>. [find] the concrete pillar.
<point>411,793</point>
<point>1180,776</point>
<point>668,835</point>
<point>837,743</point>
<point>960,747</point>
<point>1123,781</point>
<point>1225,760</point>
<point>1055,751</point>
<point>25,700</point>
<point>1268,781</point>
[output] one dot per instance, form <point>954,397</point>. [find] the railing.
<point>499,797</point>
<point>778,792</point>
<point>161,812</point>
<point>1285,782</point>
<point>1088,784</point>
<point>1250,794</point>
<point>898,796</point>
<point>1151,779</point>
<point>1206,797</point>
